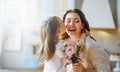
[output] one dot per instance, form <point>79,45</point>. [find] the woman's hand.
<point>85,33</point>
<point>78,67</point>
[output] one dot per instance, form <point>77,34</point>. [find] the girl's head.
<point>50,31</point>
<point>75,22</point>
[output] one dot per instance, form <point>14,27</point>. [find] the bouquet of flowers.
<point>72,50</point>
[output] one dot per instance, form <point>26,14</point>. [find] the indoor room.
<point>20,21</point>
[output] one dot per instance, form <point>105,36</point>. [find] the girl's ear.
<point>58,31</point>
<point>57,35</point>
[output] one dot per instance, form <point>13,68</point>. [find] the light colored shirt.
<point>95,57</point>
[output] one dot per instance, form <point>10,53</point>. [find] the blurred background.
<point>20,21</point>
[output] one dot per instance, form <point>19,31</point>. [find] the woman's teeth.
<point>72,29</point>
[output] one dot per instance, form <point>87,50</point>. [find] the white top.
<point>57,63</point>
<point>95,57</point>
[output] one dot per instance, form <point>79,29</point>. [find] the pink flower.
<point>72,42</point>
<point>78,43</point>
<point>65,43</point>
<point>70,50</point>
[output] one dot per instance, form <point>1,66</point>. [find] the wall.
<point>109,38</point>
<point>98,14</point>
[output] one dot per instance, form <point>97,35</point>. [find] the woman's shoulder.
<point>89,42</point>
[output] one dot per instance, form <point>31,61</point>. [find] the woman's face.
<point>73,24</point>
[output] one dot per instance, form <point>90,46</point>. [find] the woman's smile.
<point>72,30</point>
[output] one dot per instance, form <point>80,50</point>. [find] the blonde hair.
<point>47,38</point>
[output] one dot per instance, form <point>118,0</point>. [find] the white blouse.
<point>57,63</point>
<point>95,57</point>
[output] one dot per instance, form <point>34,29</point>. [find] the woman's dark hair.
<point>81,15</point>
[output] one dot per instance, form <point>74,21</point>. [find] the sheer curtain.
<point>16,17</point>
<point>19,23</point>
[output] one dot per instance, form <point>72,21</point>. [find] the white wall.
<point>98,13</point>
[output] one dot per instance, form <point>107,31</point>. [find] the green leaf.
<point>74,59</point>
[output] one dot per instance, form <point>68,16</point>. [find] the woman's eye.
<point>77,21</point>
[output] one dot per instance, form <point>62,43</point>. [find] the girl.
<point>51,31</point>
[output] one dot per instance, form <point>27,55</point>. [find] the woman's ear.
<point>83,27</point>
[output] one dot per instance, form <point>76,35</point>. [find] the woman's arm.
<point>98,58</point>
<point>78,67</point>
<point>89,70</point>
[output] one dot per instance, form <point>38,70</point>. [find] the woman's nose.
<point>71,23</point>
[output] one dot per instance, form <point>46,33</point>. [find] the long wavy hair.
<point>47,38</point>
<point>82,17</point>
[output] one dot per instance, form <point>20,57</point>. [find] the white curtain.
<point>20,20</point>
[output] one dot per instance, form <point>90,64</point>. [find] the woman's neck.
<point>76,37</point>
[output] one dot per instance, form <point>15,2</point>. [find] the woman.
<point>94,57</point>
